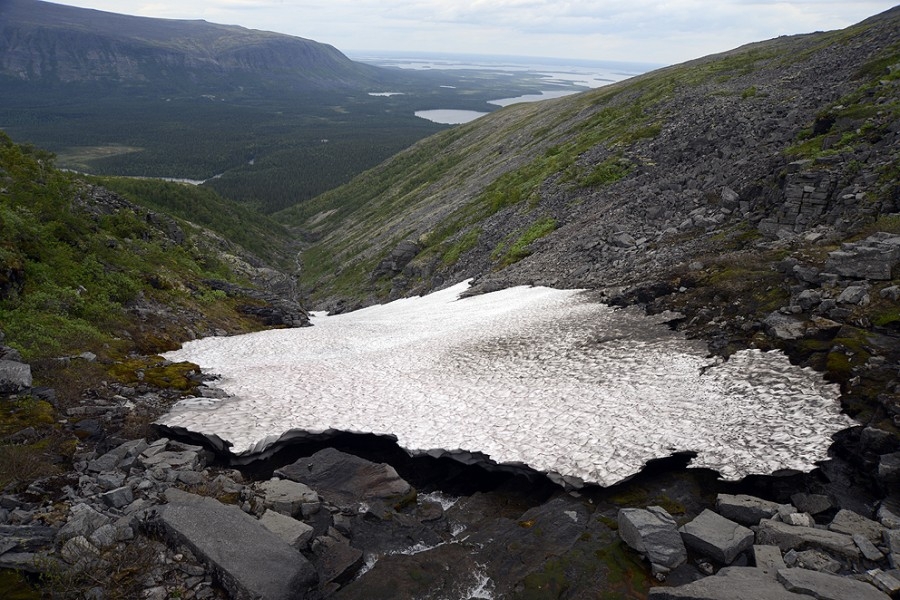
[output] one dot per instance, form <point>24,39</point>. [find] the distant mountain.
<point>42,42</point>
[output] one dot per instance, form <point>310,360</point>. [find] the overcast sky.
<point>658,31</point>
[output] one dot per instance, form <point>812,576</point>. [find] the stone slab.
<point>788,537</point>
<point>769,559</point>
<point>731,583</point>
<point>744,509</point>
<point>824,586</point>
<point>716,537</point>
<point>296,533</point>
<point>250,561</point>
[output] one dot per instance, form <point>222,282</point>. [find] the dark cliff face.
<point>47,43</point>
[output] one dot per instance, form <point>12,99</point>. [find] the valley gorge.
<point>749,202</point>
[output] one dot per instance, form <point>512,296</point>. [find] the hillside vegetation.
<point>612,186</point>
<point>268,119</point>
<point>82,269</point>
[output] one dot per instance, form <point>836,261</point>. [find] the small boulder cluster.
<point>181,527</point>
<point>756,549</point>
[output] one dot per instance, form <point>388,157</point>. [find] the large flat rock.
<point>789,537</point>
<point>824,586</point>
<point>251,562</point>
<point>731,583</point>
<point>344,479</point>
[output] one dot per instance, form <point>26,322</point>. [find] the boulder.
<point>336,559</point>
<point>885,582</point>
<point>889,469</point>
<point>854,294</point>
<point>744,509</point>
<point>731,583</point>
<point>867,548</point>
<point>892,541</point>
<point>847,521</point>
<point>875,257</point>
<point>814,560</point>
<point>14,376</point>
<point>347,480</point>
<point>799,519</point>
<point>653,533</point>
<point>249,560</point>
<point>789,537</point>
<point>296,533</point>
<point>828,587</point>
<point>768,558</point>
<point>83,521</point>
<point>716,537</point>
<point>287,497</point>
<point>785,327</point>
<point>811,503</point>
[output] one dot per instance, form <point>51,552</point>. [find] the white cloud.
<point>641,30</point>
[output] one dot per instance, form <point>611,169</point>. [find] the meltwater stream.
<point>528,375</point>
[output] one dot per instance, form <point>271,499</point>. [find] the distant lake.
<point>544,95</point>
<point>449,116</point>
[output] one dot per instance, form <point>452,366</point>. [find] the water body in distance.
<point>546,378</point>
<point>449,116</point>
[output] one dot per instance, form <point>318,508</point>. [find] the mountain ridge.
<point>42,41</point>
<point>667,142</point>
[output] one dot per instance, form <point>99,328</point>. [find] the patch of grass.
<point>462,245</point>
<point>519,249</point>
<point>749,92</point>
<point>609,171</point>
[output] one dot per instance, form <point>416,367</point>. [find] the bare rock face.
<point>347,480</point>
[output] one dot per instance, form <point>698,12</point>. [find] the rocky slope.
<point>55,44</point>
<point>609,187</point>
<point>755,192</point>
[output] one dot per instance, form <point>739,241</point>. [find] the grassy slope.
<point>440,191</point>
<point>70,274</point>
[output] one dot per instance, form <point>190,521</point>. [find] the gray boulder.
<point>296,533</point>
<point>789,537</point>
<point>347,480</point>
<point>14,376</point>
<point>875,257</point>
<point>744,509</point>
<point>250,561</point>
<point>892,541</point>
<point>653,533</point>
<point>336,559</point>
<point>811,503</point>
<point>714,536</point>
<point>855,294</point>
<point>828,587</point>
<point>847,521</point>
<point>287,497</point>
<point>731,583</point>
<point>785,327</point>
<point>768,558</point>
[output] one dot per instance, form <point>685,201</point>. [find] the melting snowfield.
<point>534,376</point>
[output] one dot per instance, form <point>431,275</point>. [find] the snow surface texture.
<point>535,376</point>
